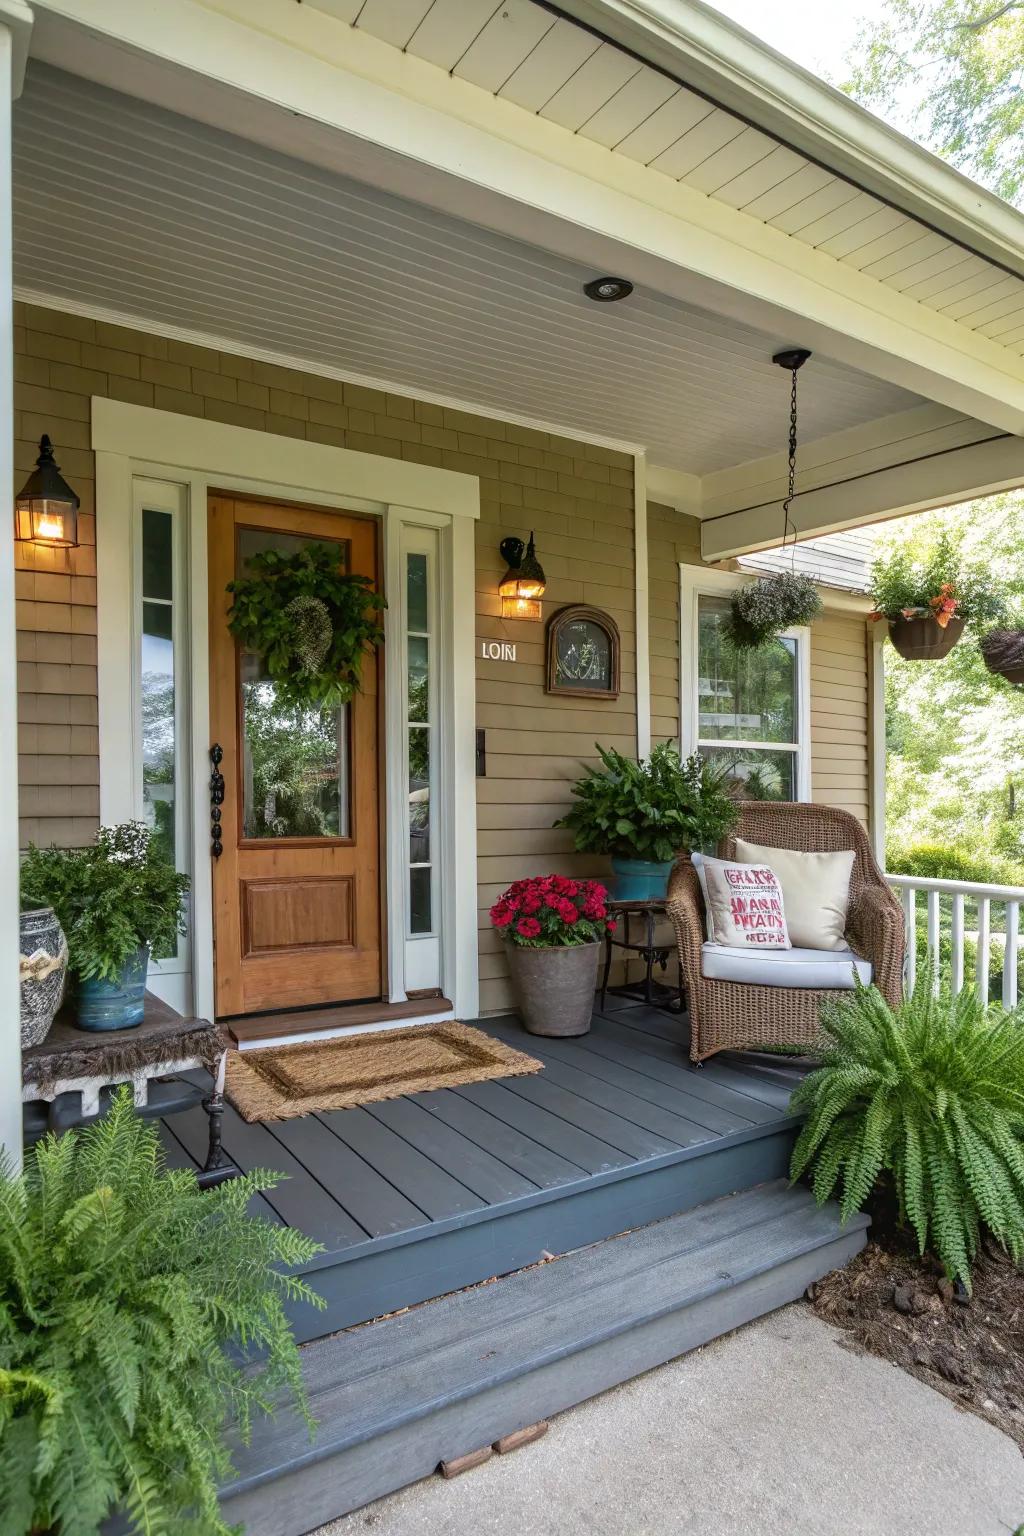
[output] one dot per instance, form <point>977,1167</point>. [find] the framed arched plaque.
<point>583,653</point>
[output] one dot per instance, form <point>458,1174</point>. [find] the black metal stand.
<point>216,1170</point>
<point>655,994</point>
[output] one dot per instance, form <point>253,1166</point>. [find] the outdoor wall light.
<point>522,586</point>
<point>46,508</point>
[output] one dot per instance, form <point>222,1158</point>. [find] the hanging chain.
<point>788,525</point>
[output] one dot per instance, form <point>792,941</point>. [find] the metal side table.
<point>646,914</point>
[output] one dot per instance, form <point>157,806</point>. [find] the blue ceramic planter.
<point>115,1004</point>
<point>639,880</point>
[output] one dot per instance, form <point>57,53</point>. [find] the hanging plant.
<point>930,599</point>
<point>310,621</point>
<point>764,609</point>
<point>1002,651</point>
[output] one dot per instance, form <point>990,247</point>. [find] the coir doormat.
<point>289,1080</point>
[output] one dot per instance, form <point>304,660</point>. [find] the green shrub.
<point>939,861</point>
<point>121,1285</point>
<point>932,1095</point>
<point>652,809</point>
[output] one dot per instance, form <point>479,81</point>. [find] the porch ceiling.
<point>127,208</point>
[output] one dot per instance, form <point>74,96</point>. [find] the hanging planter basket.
<point>1002,651</point>
<point>764,609</point>
<point>922,638</point>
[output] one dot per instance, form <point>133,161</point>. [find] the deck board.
<point>417,1196</point>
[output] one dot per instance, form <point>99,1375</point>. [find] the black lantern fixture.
<point>522,586</point>
<point>46,508</point>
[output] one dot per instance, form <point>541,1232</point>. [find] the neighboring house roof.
<point>840,560</point>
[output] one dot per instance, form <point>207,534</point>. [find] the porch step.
<point>397,1397</point>
<point>262,1029</point>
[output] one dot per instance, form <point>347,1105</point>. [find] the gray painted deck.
<point>418,1196</point>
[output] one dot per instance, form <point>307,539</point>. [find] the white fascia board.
<point>16,16</point>
<point>338,97</point>
<point>674,488</point>
<point>945,478</point>
<point>713,54</point>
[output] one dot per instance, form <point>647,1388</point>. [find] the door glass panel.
<point>295,771</point>
<point>156,687</point>
<point>419,795</point>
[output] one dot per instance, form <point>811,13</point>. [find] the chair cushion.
<point>815,889</point>
<point>743,904</point>
<point>828,968</point>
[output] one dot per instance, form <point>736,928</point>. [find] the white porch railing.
<point>966,913</point>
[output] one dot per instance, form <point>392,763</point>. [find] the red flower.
<point>528,927</point>
<point>531,902</point>
<point>567,911</point>
<point>501,916</point>
<point>553,900</point>
<point>611,925</point>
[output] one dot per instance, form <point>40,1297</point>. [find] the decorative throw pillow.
<point>744,904</point>
<point>815,888</point>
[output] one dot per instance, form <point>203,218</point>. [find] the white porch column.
<point>15,26</point>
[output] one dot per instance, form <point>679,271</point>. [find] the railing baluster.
<point>957,940</point>
<point>1010,955</point>
<point>981,970</point>
<point>910,914</point>
<point>933,938</point>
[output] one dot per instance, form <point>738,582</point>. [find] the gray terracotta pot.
<point>43,969</point>
<point>554,987</point>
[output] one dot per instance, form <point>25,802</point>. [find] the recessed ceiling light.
<point>605,290</point>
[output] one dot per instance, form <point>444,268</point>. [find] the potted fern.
<point>118,901</point>
<point>644,814</point>
<point>929,600</point>
<point>928,1099</point>
<point>140,1319</point>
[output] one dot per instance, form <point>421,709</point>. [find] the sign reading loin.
<point>498,650</point>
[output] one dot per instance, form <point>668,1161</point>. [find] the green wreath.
<point>309,621</point>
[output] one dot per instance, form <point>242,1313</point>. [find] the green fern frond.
<point>139,1319</point>
<point>931,1093</point>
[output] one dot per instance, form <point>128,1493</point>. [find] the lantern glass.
<point>46,510</point>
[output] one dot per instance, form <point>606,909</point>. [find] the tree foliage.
<point>931,1095</point>
<point>122,1288</point>
<point>955,732</point>
<point>951,72</point>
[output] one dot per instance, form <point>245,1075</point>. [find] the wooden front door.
<point>296,888</point>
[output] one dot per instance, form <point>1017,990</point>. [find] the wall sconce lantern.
<point>522,586</point>
<point>46,508</point>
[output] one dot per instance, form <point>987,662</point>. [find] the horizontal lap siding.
<point>578,498</point>
<point>840,646</point>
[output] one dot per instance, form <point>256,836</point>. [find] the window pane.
<point>757,775</point>
<point>416,588</point>
<point>419,795</point>
<point>419,901</point>
<point>158,725</point>
<point>419,698</point>
<point>157,554</point>
<point>743,695</point>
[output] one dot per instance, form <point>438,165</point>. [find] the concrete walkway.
<point>773,1431</point>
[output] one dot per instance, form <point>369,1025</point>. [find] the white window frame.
<point>694,583</point>
<point>201,456</point>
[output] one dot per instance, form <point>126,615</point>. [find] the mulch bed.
<point>900,1307</point>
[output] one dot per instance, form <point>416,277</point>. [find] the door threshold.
<point>257,1031</point>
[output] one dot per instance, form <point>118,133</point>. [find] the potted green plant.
<point>553,927</point>
<point>118,901</point>
<point>644,814</point>
<point>140,1319</point>
<point>929,600</point>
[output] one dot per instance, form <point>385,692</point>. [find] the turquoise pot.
<point>115,1004</point>
<point>639,880</point>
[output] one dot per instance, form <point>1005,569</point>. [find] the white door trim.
<point>135,441</point>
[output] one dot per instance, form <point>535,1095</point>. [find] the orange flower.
<point>944,604</point>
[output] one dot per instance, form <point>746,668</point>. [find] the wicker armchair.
<point>728,1015</point>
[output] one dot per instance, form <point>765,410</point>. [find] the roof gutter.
<point>701,48</point>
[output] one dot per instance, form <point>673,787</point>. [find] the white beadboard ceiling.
<point>125,207</point>
<point>551,65</point>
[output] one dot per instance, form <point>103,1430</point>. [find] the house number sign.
<point>498,650</point>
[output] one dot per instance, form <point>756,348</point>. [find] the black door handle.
<point>216,800</point>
